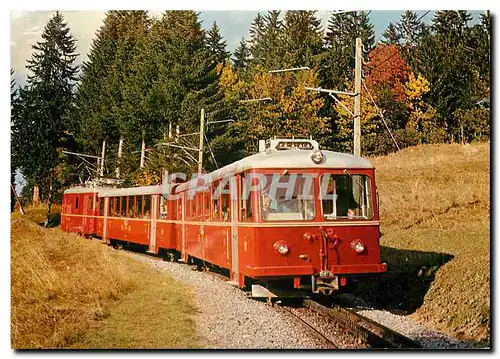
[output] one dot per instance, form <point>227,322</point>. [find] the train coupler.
<point>325,283</point>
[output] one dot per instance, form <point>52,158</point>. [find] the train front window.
<point>346,196</point>
<point>287,197</point>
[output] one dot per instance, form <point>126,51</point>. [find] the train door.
<point>184,255</point>
<point>233,188</point>
<point>87,213</point>
<point>90,216</point>
<point>152,232</point>
<point>105,220</point>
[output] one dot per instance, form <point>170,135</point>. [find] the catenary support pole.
<point>202,136</point>
<point>120,146</point>
<point>101,172</point>
<point>357,98</point>
<point>143,151</point>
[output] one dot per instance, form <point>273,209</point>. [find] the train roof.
<point>110,192</point>
<point>130,191</point>
<point>82,189</point>
<point>289,159</point>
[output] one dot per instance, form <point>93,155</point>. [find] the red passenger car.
<point>289,213</point>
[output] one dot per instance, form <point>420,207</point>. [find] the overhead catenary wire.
<point>381,115</point>
<point>211,152</point>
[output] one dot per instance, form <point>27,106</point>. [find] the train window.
<point>199,205</point>
<point>130,206</point>
<point>288,198</point>
<point>138,208</point>
<point>115,206</point>
<point>163,207</point>
<point>246,200</point>
<point>123,206</point>
<point>76,202</point>
<point>347,196</point>
<point>224,203</point>
<point>147,206</point>
<point>206,205</point>
<point>101,206</point>
<point>89,203</point>
<point>215,203</point>
<point>192,206</point>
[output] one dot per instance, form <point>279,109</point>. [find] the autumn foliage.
<point>387,71</point>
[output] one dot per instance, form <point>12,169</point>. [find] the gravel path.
<point>405,325</point>
<point>227,319</point>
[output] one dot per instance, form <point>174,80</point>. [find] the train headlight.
<point>317,157</point>
<point>357,246</point>
<point>281,247</point>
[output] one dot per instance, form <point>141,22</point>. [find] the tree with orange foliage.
<point>387,71</point>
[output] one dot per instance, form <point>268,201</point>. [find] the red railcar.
<point>283,214</point>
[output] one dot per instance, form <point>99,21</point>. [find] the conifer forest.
<point>146,79</point>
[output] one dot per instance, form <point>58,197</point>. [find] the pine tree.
<point>257,28</point>
<point>445,62</point>
<point>340,41</point>
<point>43,127</point>
<point>186,81</point>
<point>241,57</point>
<point>94,101</point>
<point>391,35</point>
<point>338,62</point>
<point>344,28</point>
<point>267,45</point>
<point>302,35</point>
<point>410,28</point>
<point>216,44</point>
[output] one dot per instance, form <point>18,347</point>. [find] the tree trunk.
<point>36,195</point>
<point>49,202</point>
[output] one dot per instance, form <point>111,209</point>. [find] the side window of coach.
<point>147,206</point>
<point>245,200</point>
<point>215,203</point>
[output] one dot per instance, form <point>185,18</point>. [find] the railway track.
<point>373,334</point>
<point>366,330</point>
<point>310,328</point>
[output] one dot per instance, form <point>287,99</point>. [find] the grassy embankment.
<point>68,292</point>
<point>435,215</point>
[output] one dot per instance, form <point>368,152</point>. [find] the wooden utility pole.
<point>17,198</point>
<point>202,138</point>
<point>101,172</point>
<point>143,151</point>
<point>120,145</point>
<point>357,98</point>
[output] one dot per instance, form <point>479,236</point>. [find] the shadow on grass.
<point>408,278</point>
<point>54,221</point>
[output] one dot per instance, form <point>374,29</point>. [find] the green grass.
<point>157,314</point>
<point>435,221</point>
<point>69,292</point>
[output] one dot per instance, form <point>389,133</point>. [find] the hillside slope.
<point>435,215</point>
<point>69,292</point>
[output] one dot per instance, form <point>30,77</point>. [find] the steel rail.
<point>315,332</point>
<point>374,334</point>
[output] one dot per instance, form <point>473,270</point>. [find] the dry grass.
<point>38,213</point>
<point>435,204</point>
<point>65,288</point>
